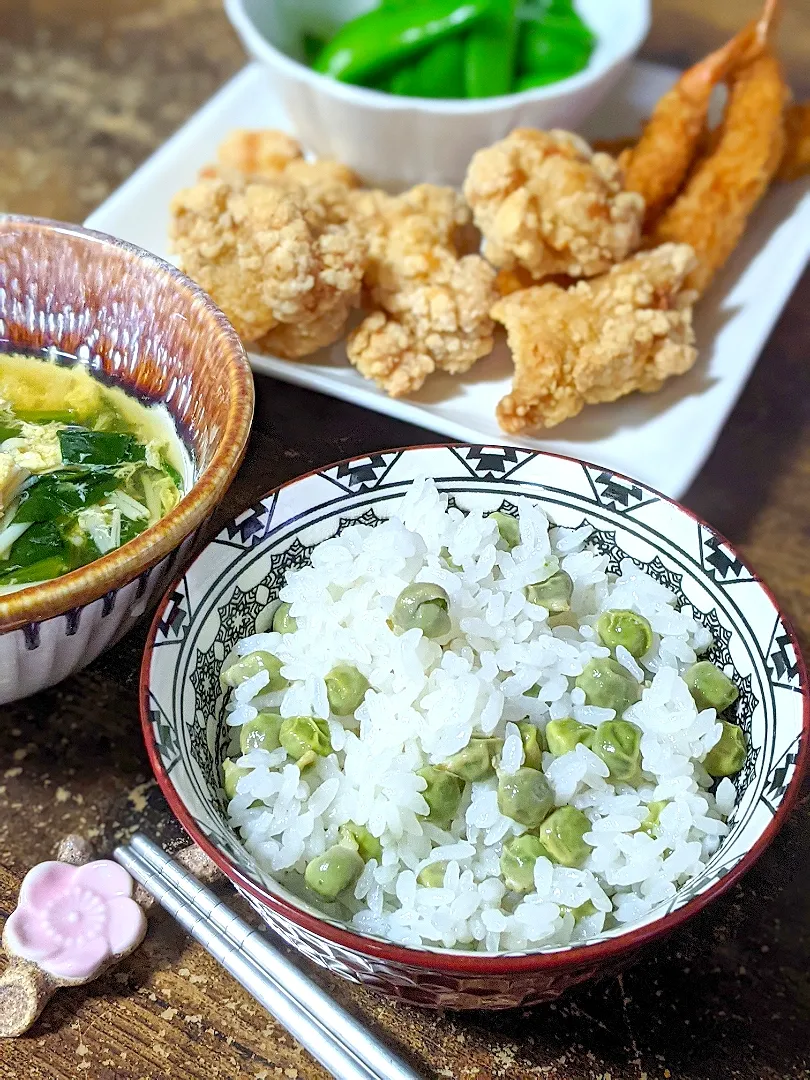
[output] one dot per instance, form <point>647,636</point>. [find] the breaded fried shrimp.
<point>713,208</point>
<point>795,161</point>
<point>658,164</point>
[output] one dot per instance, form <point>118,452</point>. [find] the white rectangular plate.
<point>663,438</point>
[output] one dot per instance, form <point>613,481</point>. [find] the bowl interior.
<point>286,23</point>
<point>230,585</point>
<point>131,322</point>
<point>139,323</point>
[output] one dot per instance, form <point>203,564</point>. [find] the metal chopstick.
<point>331,1034</point>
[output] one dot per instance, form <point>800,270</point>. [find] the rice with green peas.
<point>462,731</point>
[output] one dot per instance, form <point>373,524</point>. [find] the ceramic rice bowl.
<point>232,581</point>
<point>138,321</point>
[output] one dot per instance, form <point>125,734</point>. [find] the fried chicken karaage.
<point>628,330</point>
<point>546,203</point>
<point>279,274</point>
<point>432,302</point>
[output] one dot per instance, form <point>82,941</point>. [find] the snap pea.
<point>550,42</point>
<point>387,36</point>
<point>491,49</point>
<point>437,74</point>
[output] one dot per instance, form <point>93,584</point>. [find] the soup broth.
<point>84,468</point>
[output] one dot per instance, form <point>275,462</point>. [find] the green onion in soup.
<point>84,468</point>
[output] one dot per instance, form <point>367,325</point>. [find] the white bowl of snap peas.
<point>393,140</point>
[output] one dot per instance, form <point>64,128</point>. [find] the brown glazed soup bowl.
<point>143,325</point>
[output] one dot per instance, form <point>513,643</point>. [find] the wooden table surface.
<point>88,88</point>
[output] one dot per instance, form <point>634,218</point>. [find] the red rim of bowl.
<point>476,963</point>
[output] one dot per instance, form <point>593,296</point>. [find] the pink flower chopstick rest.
<point>71,924</point>
<point>73,921</point>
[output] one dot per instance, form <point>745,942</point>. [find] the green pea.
<point>563,618</point>
<point>727,756</point>
<point>561,834</point>
<point>329,874</point>
<point>618,744</point>
<point>432,876</point>
<point>518,857</point>
<point>626,628</point>
<point>442,794</point>
<point>359,838</point>
<point>422,606</point>
<point>261,733</point>
<point>474,762</point>
<point>300,735</point>
<point>231,775</point>
<point>508,528</point>
<point>607,684</point>
<point>345,689</point>
<point>563,735</point>
<point>651,820</point>
<point>583,910</point>
<point>250,665</point>
<point>710,687</point>
<point>554,594</point>
<point>283,622</point>
<point>532,739</point>
<point>445,554</point>
<point>525,796</point>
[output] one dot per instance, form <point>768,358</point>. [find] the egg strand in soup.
<point>84,468</point>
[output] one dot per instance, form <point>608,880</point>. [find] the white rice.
<point>425,702</point>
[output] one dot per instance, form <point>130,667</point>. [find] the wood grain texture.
<point>88,88</point>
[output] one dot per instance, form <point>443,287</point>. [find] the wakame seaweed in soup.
<point>84,468</point>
